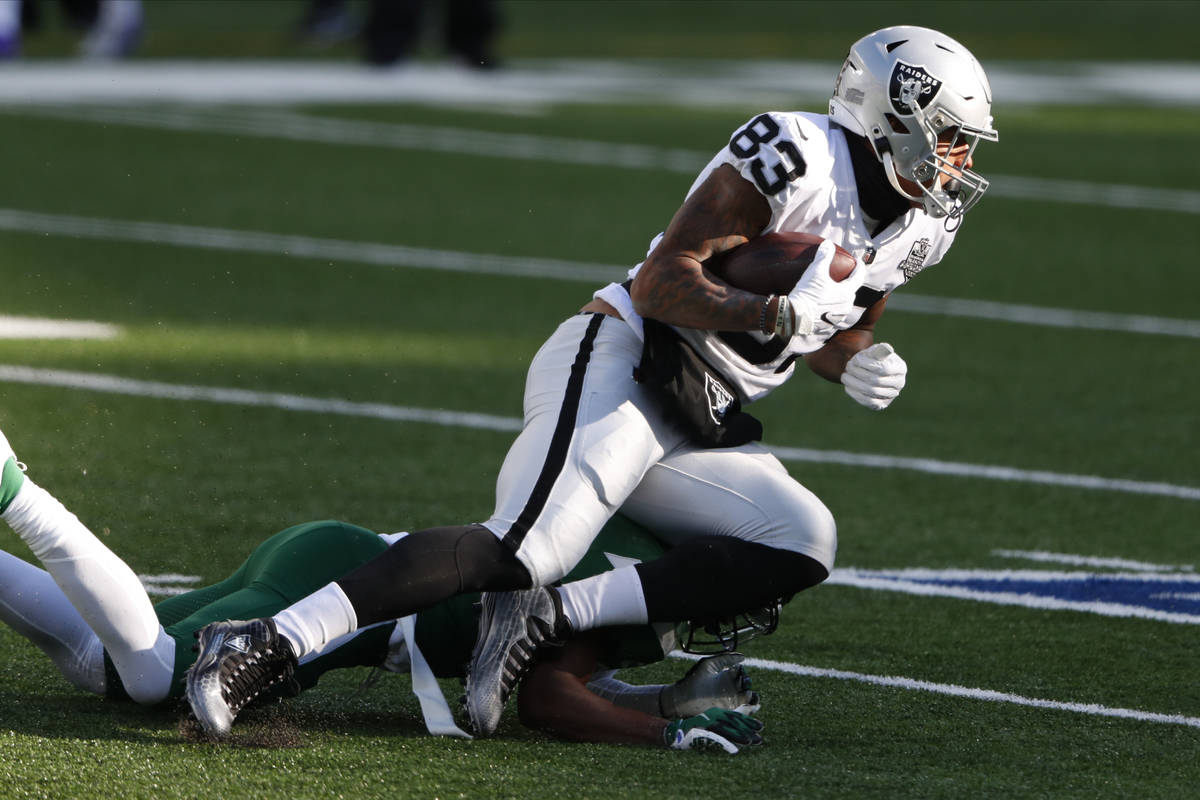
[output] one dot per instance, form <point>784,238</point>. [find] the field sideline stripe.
<point>390,255</point>
<point>935,467</point>
<point>954,690</point>
<point>308,128</point>
<point>290,402</point>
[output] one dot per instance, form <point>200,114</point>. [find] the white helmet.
<point>902,88</point>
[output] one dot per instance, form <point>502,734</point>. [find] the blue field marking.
<point>1166,597</point>
<point>1180,593</point>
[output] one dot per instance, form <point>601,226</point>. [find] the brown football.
<point>773,262</point>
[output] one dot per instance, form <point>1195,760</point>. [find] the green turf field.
<point>191,485</point>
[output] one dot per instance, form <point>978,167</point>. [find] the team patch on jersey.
<point>915,261</point>
<point>719,399</point>
<point>911,84</point>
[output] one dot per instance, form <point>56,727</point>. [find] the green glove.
<point>716,727</point>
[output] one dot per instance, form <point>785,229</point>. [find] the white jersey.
<point>802,166</point>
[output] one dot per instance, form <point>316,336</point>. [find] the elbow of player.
<point>643,299</point>
<point>647,288</point>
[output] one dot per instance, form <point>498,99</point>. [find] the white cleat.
<point>237,662</point>
<point>512,626</point>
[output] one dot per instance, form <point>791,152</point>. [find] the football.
<point>773,262</point>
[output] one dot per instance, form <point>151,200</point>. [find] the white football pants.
<point>595,441</point>
<point>105,593</point>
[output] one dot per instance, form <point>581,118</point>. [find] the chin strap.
<point>889,169</point>
<point>926,198</point>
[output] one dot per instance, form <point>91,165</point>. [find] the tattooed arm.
<point>672,286</point>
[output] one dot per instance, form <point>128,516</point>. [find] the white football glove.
<point>716,727</point>
<point>875,376</point>
<point>817,301</point>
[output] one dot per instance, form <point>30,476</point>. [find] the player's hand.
<point>819,303</point>
<point>716,727</point>
<point>714,681</point>
<point>875,376</point>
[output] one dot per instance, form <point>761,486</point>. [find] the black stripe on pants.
<point>560,442</point>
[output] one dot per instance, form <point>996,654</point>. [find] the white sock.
<point>32,604</point>
<point>102,588</point>
<point>316,620</point>
<point>610,598</point>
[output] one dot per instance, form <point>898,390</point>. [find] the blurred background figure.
<point>113,27</point>
<point>117,31</point>
<point>391,31</point>
<point>328,22</point>
<point>10,28</point>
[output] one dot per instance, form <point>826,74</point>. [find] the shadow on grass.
<point>278,725</point>
<point>295,725</point>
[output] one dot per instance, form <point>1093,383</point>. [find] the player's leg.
<point>569,470</point>
<point>560,484</point>
<point>591,434</point>
<point>241,660</point>
<point>32,604</point>
<point>587,440</point>
<point>744,535</point>
<point>743,532</point>
<point>287,566</point>
<point>101,587</point>
<point>431,565</point>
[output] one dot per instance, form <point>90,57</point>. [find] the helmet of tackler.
<point>725,634</point>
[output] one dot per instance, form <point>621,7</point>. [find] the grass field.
<point>1096,426</point>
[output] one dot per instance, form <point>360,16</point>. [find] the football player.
<point>635,403</point>
<point>90,614</point>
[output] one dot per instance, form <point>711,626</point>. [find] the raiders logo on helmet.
<point>910,84</point>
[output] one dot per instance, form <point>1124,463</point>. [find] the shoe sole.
<point>485,706</point>
<point>204,681</point>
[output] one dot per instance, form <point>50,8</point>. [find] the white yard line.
<point>113,384</point>
<point>40,328</point>
<point>987,471</point>
<point>1091,561</point>
<point>389,255</point>
<point>294,126</point>
<point>953,690</point>
<point>532,84</point>
<point>167,585</point>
